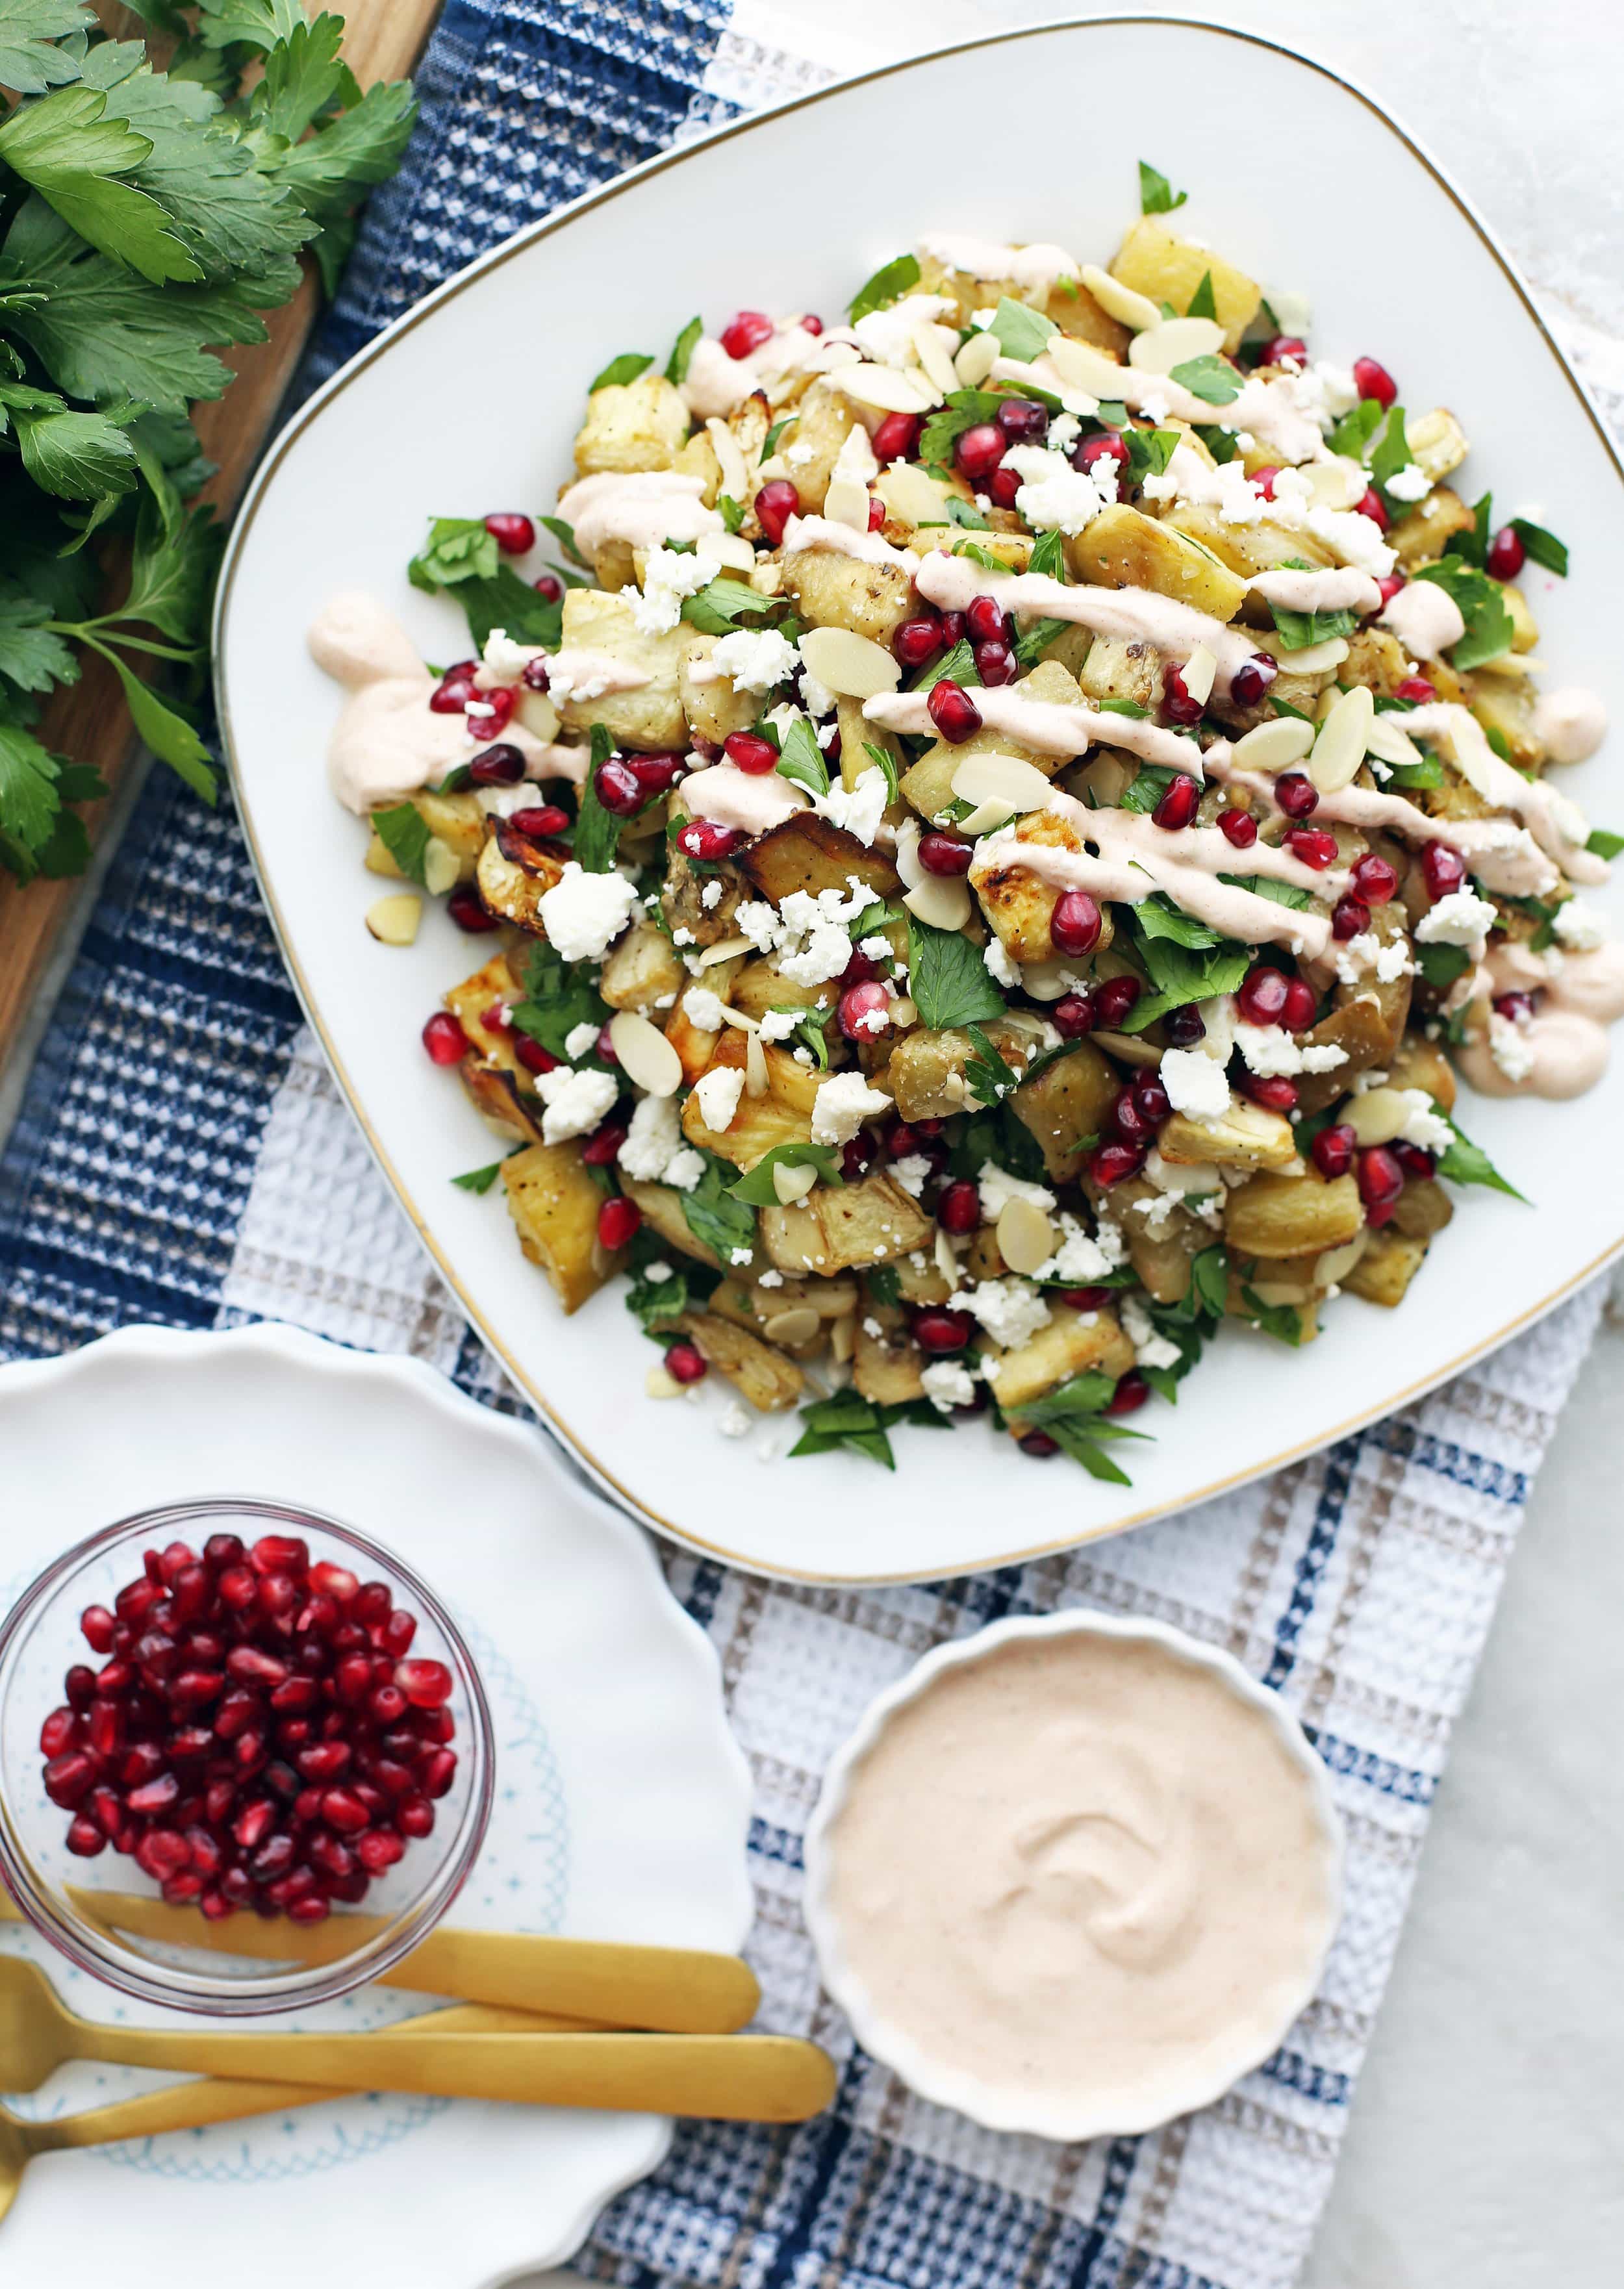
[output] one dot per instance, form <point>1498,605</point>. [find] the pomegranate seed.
<point>251,1666</point>
<point>1179,804</point>
<point>701,838</point>
<point>953,713</point>
<point>1151,1097</point>
<point>1298,1014</point>
<point>1076,923</point>
<point>1085,1299</point>
<point>1415,1161</point>
<point>487,713</point>
<point>1038,1443</point>
<point>532,1056</point>
<point>877,513</point>
<point>1332,1150</point>
<point>1349,916</point>
<point>686,1363</point>
<point>941,1331</point>
<point>1261,998</point>
<point>513,534</point>
<point>426,1683</point>
<point>980,451</point>
<point>959,1208</point>
<point>388,1704</point>
<point>57,1734</point>
<point>1389,584</point>
<point>617,788</point>
<point>398,1632</point>
<point>1373,380</point>
<point>1312,845</point>
<point>1380,1177</point>
<point>1442,869</point>
<point>618,1220</point>
<point>897,438</point>
<point>656,774</point>
<point>97,1625</point>
<point>115,1680</point>
<point>1416,691</point>
<point>540,821</point>
<point>1130,1123</point>
<point>237,1586</point>
<point>1073,1016</point>
<point>1281,346</point>
<point>107,1728</point>
<point>1371,504</point>
<point>157,1796</point>
<point>1177,705</point>
<point>1131,1393</point>
<point>1263,479</point>
<point>438,1772</point>
<point>748,752</point>
<point>913,643</point>
<point>1296,794</point>
<point>603,1147</point>
<point>162,1855</point>
<point>996,663</point>
<point>1023,420</point>
<point>952,629</point>
<point>1105,445</point>
<point>68,1778</point>
<point>775,504</point>
<point>454,689</point>
<point>1185,1027</point>
<point>85,1839</point>
<point>447,1044</point>
<point>379,1850</point>
<point>1239,827</point>
<point>499,766</point>
<point>142,1762</point>
<point>863,1011</point>
<point>325,1761</point>
<point>1114,998</point>
<point>856,1157</point>
<point>746,332</point>
<point>986,621</point>
<point>1506,554</point>
<point>1003,487</point>
<point>549,587</point>
<point>352,1678</point>
<point>1271,1090</point>
<point>944,854</point>
<point>135,1602</point>
<point>1517,1007</point>
<point>1374,880</point>
<point>1111,1162</point>
<point>344,1811</point>
<point>414,1815</point>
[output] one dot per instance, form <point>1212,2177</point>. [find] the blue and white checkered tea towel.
<point>182,1157</point>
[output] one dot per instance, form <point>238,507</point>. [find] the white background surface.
<point>1486,2150</point>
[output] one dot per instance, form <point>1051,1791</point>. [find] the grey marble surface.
<point>1486,2144</point>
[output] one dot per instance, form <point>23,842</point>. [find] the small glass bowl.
<point>289,1966</point>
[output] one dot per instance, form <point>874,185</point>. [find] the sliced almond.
<point>985,818</point>
<point>1336,482</point>
<point>1174,342</point>
<point>911,496</point>
<point>646,1055</point>
<point>731,550</point>
<point>1377,1115</point>
<point>977,359</point>
<point>1008,780</point>
<point>1197,673</point>
<point>799,1323</point>
<point>903,1012</point>
<point>852,665</point>
<point>730,460</point>
<point>843,1339</point>
<point>754,1070</point>
<point>1137,312</point>
<point>947,1263</point>
<point>727,949</point>
<point>793,1185</point>
<point>1273,746</point>
<point>887,390</point>
<point>441,867</point>
<point>1026,1237</point>
<point>1335,1265</point>
<point>1339,749</point>
<point>846,502</point>
<point>1389,743</point>
<point>741,1018</point>
<point>660,1383</point>
<point>1083,367</point>
<point>940,900</point>
<point>393,921</point>
<point>1309,659</point>
<point>538,714</point>
<point>935,345</point>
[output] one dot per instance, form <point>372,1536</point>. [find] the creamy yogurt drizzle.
<point>1075,1870</point>
<point>1136,856</point>
<point>752,802</point>
<point>388,742</point>
<point>716,384</point>
<point>1048,727</point>
<point>1266,409</point>
<point>1130,615</point>
<point>836,540</point>
<point>1336,589</point>
<point>1582,994</point>
<point>582,674</point>
<point>1425,618</point>
<point>1033,267</point>
<point>1556,824</point>
<point>1570,722</point>
<point>645,507</point>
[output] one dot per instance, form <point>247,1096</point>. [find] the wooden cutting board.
<point>88,720</point>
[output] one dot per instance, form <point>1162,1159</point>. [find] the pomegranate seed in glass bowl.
<point>226,1764</point>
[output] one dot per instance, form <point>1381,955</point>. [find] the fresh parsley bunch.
<point>147,217</point>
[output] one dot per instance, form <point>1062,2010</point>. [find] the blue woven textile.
<point>179,1128</point>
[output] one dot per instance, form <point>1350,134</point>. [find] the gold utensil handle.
<point>669,1990</point>
<point>191,2105</point>
<point>730,2077</point>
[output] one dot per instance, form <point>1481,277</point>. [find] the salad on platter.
<point>994,835</point>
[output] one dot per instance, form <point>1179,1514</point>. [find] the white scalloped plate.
<point>622,1805</point>
<point>471,401</point>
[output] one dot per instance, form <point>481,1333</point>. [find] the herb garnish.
<point>947,980</point>
<point>1156,195</point>
<point>889,282</point>
<point>619,370</point>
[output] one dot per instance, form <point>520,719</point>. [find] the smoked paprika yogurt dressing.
<point>998,859</point>
<point>1079,1880</point>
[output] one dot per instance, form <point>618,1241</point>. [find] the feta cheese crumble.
<point>1151,1348</point>
<point>998,963</point>
<point>755,659</point>
<point>1194,1084</point>
<point>1460,918</point>
<point>998,1188</point>
<point>1578,926</point>
<point>947,1386</point>
<point>583,914</point>
<point>669,576</point>
<point>842,1103</point>
<point>858,810</point>
<point>1011,1311</point>
<point>703,1010</point>
<point>808,934</point>
<point>575,1101</point>
<point>1055,497</point>
<point>580,1040</point>
<point>1511,1048</point>
<point>718,1092</point>
<point>655,1151</point>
